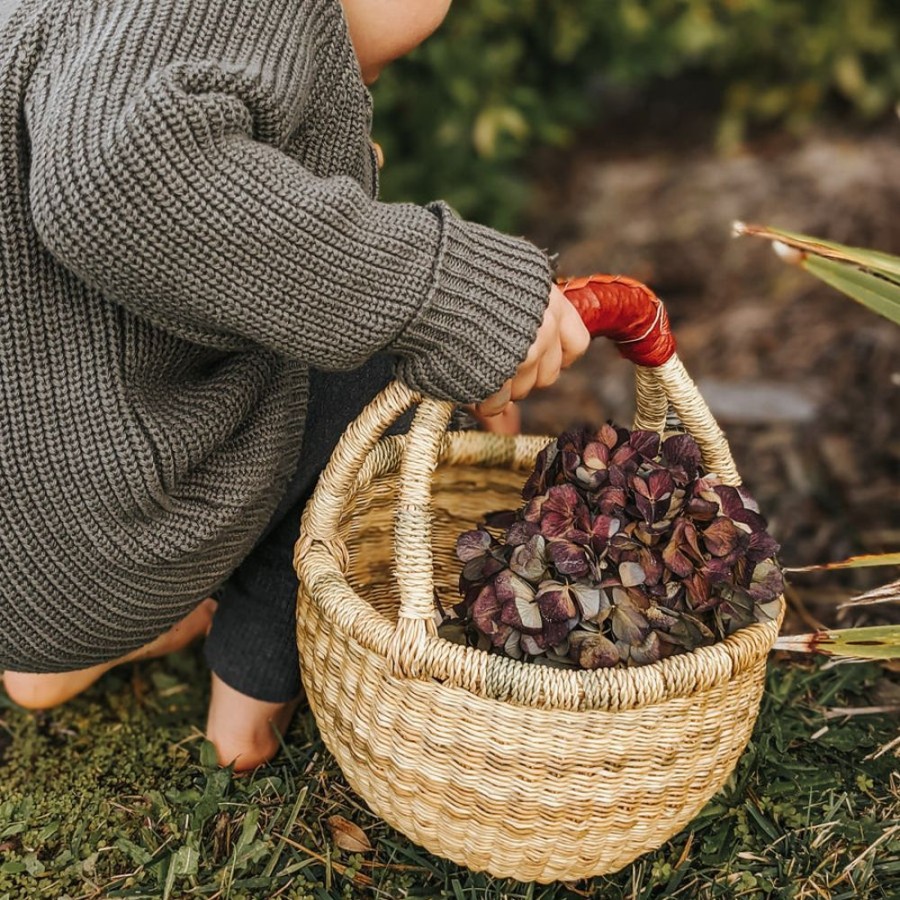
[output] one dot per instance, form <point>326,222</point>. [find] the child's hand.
<point>560,340</point>
<point>507,421</point>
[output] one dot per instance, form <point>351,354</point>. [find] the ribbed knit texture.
<point>188,222</point>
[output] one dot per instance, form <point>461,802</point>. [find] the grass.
<point>116,796</point>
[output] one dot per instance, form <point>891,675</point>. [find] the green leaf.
<point>217,784</point>
<point>185,861</point>
<point>875,642</point>
<point>873,291</point>
<point>853,562</point>
<point>208,758</point>
<point>13,867</point>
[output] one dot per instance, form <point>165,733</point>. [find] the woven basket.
<point>521,770</point>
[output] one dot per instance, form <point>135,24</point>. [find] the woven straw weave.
<point>522,770</point>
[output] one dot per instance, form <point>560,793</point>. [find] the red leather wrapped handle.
<point>625,311</point>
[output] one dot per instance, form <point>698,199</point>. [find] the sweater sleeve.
<point>176,210</point>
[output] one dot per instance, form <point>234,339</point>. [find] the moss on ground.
<point>115,796</point>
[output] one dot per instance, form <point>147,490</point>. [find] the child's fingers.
<point>547,335</point>
<point>508,421</point>
<point>574,335</point>
<point>549,367</point>
<point>494,404</point>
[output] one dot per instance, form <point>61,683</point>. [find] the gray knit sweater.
<point>188,222</point>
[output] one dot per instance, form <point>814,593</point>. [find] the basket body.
<point>511,775</point>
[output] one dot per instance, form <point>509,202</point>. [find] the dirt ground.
<point>805,383</point>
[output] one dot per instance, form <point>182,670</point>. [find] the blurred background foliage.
<point>460,117</point>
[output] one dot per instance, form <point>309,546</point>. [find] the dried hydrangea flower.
<point>624,552</point>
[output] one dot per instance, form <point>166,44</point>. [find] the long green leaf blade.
<point>875,642</point>
<point>853,562</point>
<point>872,291</point>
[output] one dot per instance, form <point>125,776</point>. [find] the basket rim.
<point>322,580</point>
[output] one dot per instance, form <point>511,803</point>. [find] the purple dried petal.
<point>596,456</point>
<point>570,462</point>
<point>682,553</point>
<point>481,568</point>
<point>590,479</point>
<point>532,644</point>
<point>767,583</point>
<point>717,570</point>
<point>563,511</point>
<point>646,443</point>
<point>602,529</point>
<point>676,561</point>
<point>521,532</point>
<point>512,643</point>
<point>608,435</point>
<point>645,508</point>
<point>652,563</point>
<point>510,586</point>
<point>534,509</point>
<point>747,499</point>
<point>625,458</point>
<point>592,651</point>
<point>723,537</point>
<point>472,544</point>
<point>529,560</point>
<point>555,633</point>
<point>698,592</point>
<point>660,485</point>
<point>486,610</point>
<point>569,558</point>
<point>556,602</point>
<point>628,620</point>
<point>610,501</point>
<point>761,546</point>
<point>647,651</point>
<point>683,457</point>
<point>659,618</point>
<point>701,510</point>
<point>730,499</point>
<point>631,574</point>
<point>753,520</point>
<point>523,615</point>
<point>538,480</point>
<point>574,439</point>
<point>593,603</point>
<point>651,494</point>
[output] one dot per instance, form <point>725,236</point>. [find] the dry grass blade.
<point>887,593</point>
<point>884,263</point>
<point>357,877</point>
<point>852,562</point>
<point>844,712</point>
<point>875,642</point>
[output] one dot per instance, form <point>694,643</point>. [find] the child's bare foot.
<point>46,689</point>
<point>243,730</point>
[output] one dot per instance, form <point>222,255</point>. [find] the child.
<point>199,292</point>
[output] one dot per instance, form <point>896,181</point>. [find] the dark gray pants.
<point>252,646</point>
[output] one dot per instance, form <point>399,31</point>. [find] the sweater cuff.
<point>488,298</point>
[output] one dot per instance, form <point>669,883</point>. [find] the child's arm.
<point>179,204</point>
